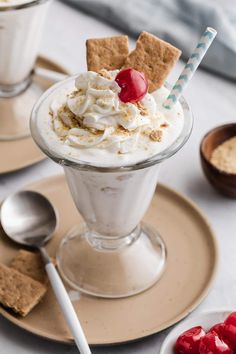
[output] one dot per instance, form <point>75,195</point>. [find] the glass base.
<point>9,91</point>
<point>15,113</point>
<point>112,267</point>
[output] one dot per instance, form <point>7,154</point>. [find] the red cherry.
<point>231,319</point>
<point>229,331</point>
<point>188,341</point>
<point>229,335</point>
<point>218,329</point>
<point>133,83</point>
<point>212,344</point>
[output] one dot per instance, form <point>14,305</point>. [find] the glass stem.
<point>110,243</point>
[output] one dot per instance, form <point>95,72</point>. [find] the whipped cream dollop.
<point>93,115</point>
<point>83,119</point>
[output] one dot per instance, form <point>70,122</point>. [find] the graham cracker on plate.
<point>31,264</point>
<point>154,57</point>
<point>18,291</point>
<point>107,53</point>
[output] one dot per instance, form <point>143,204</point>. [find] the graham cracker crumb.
<point>156,135</point>
<point>104,73</point>
<point>154,57</point>
<point>18,291</point>
<point>164,125</point>
<point>147,131</point>
<point>68,118</point>
<point>224,156</point>
<point>93,131</point>
<point>121,130</point>
<point>74,93</point>
<point>143,110</point>
<point>107,53</point>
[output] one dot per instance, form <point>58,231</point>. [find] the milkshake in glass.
<point>111,153</point>
<point>21,24</point>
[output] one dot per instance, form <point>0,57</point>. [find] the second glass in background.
<point>21,26</point>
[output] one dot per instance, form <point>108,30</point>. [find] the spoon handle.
<point>49,74</point>
<point>66,305</point>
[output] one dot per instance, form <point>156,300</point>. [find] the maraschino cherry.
<point>133,84</point>
<point>212,344</point>
<point>229,332</point>
<point>218,329</point>
<point>220,339</point>
<point>188,341</point>
<point>231,319</point>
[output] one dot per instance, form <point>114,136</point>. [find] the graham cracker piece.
<point>31,264</point>
<point>154,57</point>
<point>107,53</point>
<point>18,291</point>
<point>156,135</point>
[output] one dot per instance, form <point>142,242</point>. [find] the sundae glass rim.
<point>66,160</point>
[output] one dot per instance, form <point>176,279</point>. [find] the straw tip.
<point>212,30</point>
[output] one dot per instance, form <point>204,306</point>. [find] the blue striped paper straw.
<point>191,66</point>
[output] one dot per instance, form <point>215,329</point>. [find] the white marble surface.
<point>213,103</point>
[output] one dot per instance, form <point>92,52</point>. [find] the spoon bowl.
<point>28,218</point>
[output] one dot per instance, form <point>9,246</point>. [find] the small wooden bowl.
<point>222,181</point>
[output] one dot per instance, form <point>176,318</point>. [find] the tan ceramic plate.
<point>17,154</point>
<point>191,265</point>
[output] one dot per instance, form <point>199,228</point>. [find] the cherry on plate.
<point>231,319</point>
<point>218,329</point>
<point>133,84</point>
<point>212,344</point>
<point>228,330</point>
<point>188,341</point>
<point>229,335</point>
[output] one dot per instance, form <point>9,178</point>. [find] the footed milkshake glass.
<point>113,254</point>
<point>21,23</point>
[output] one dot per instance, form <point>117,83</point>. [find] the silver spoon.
<point>29,218</point>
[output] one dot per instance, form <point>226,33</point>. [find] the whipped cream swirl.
<point>93,115</point>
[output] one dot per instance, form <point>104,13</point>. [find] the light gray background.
<point>213,103</point>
